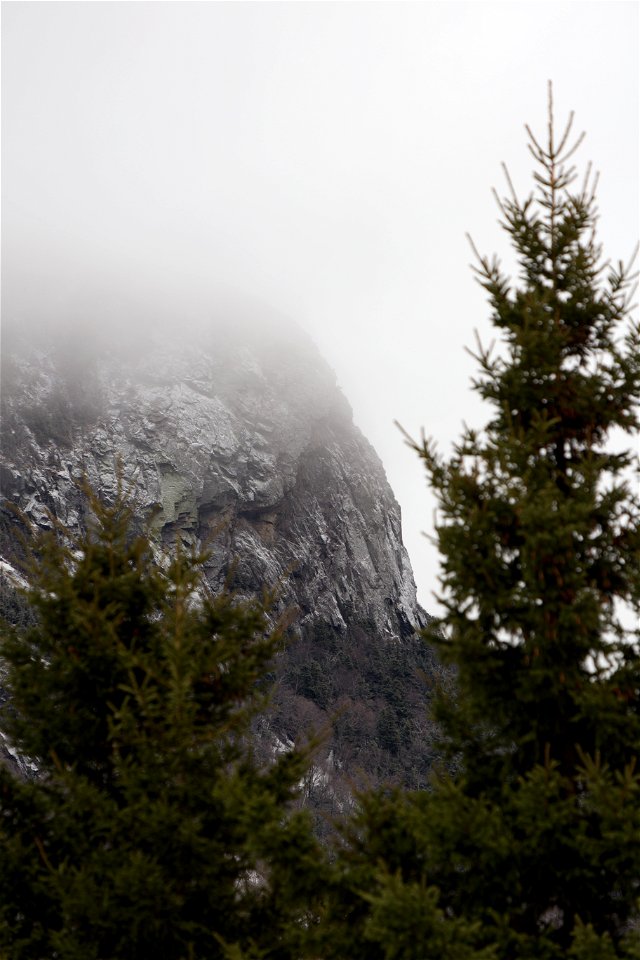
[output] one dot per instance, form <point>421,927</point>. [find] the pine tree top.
<point>539,524</point>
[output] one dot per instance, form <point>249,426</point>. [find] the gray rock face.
<point>241,442</point>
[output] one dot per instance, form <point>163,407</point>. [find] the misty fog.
<point>173,165</point>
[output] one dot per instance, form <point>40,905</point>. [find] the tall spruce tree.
<point>150,830</point>
<point>532,848</point>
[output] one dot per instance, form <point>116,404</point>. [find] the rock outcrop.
<point>239,440</point>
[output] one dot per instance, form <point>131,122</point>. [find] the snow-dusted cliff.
<point>239,440</point>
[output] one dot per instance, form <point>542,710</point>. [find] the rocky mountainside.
<point>239,440</point>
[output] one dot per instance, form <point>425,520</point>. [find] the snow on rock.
<point>242,443</point>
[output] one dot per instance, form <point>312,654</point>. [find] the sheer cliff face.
<point>241,442</point>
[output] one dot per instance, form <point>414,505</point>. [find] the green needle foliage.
<point>532,849</point>
<point>151,830</point>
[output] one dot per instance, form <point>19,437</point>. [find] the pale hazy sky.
<point>326,158</point>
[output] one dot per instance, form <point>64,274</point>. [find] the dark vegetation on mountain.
<point>159,825</point>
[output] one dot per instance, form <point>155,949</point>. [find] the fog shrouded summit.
<point>325,159</point>
<point>231,435</point>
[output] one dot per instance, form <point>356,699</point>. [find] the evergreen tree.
<point>151,829</point>
<point>532,848</point>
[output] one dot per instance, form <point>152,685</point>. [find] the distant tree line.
<point>154,830</point>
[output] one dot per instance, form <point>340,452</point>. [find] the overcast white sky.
<point>324,157</point>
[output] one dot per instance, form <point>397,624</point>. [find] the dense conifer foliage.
<point>150,829</point>
<point>531,849</point>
